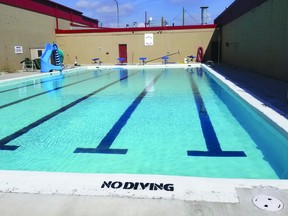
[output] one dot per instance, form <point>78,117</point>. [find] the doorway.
<point>214,51</point>
<point>123,52</point>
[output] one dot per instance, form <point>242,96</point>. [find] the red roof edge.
<point>134,29</point>
<point>53,9</point>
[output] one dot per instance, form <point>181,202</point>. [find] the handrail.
<point>162,56</point>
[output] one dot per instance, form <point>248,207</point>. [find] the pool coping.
<point>184,188</point>
<point>132,186</point>
<point>277,120</point>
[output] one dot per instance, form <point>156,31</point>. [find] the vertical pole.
<point>145,19</point>
<point>219,43</point>
<point>183,16</point>
<point>117,13</point>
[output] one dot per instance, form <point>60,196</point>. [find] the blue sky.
<point>134,11</point>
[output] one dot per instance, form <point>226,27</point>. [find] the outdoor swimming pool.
<point>166,121</point>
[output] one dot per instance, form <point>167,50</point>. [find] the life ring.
<point>200,54</point>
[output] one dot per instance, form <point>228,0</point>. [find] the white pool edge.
<point>266,111</point>
<point>184,188</point>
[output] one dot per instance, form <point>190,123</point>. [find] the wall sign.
<point>148,39</point>
<point>18,49</point>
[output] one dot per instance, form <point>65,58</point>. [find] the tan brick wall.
<point>23,28</point>
<point>105,45</point>
<point>258,40</point>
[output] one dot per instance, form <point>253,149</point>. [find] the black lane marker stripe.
<point>41,82</point>
<point>45,92</point>
<point>212,142</point>
<point>107,141</point>
<point>24,130</point>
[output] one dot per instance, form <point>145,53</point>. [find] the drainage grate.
<point>268,203</point>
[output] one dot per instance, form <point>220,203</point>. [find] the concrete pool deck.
<point>60,194</point>
<point>59,205</point>
<point>271,92</point>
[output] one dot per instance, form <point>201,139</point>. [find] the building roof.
<point>53,9</point>
<point>236,9</point>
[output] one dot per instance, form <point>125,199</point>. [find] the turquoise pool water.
<point>170,121</point>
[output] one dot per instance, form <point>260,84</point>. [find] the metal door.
<point>123,52</point>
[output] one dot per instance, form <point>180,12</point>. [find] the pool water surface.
<point>165,121</point>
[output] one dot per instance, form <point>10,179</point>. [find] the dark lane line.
<point>24,130</point>
<point>45,92</point>
<point>107,141</point>
<point>41,82</point>
<point>212,142</point>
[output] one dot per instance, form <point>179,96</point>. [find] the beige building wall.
<point>258,40</point>
<point>31,30</point>
<point>105,45</point>
<point>24,28</point>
